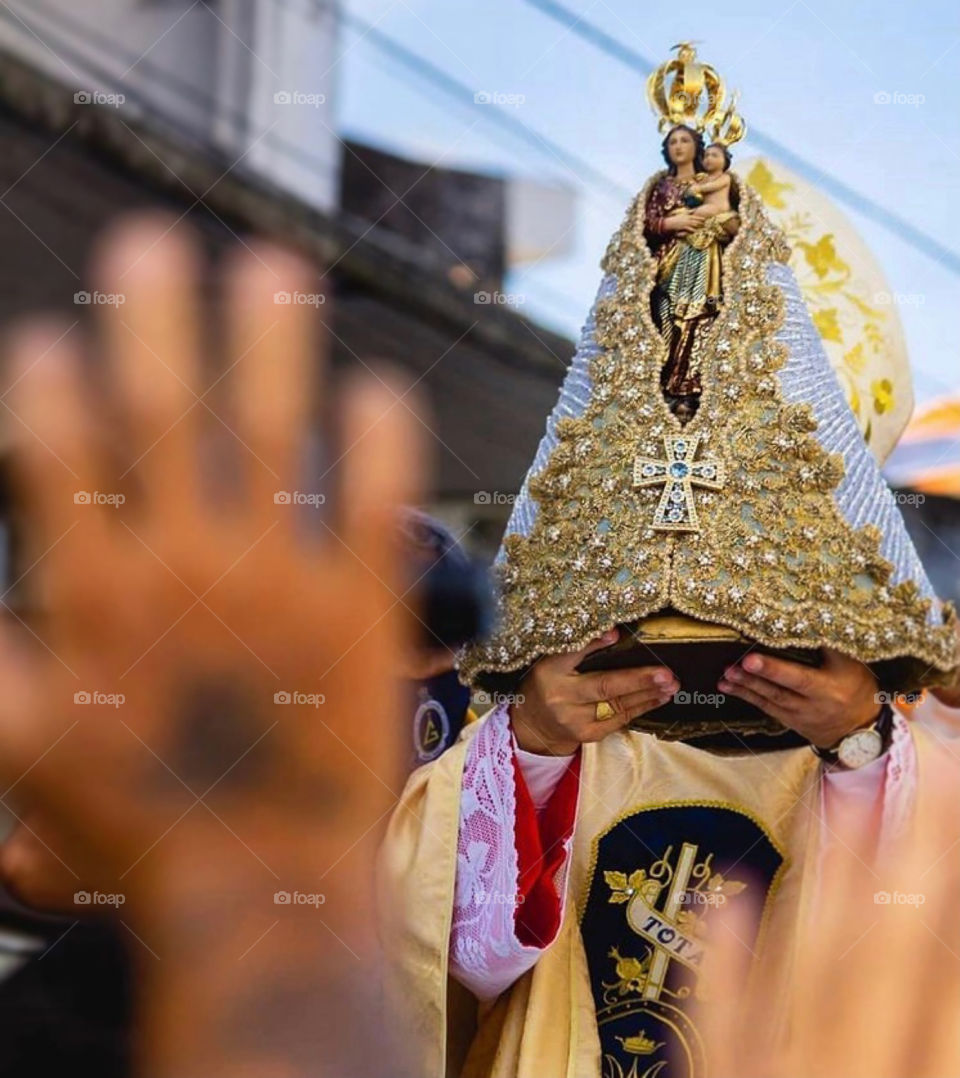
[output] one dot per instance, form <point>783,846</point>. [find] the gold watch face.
<point>860,748</point>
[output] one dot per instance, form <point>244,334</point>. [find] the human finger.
<point>275,367</point>
<point>382,470</point>
<point>788,675</point>
<point>769,691</point>
<point>639,703</point>
<point>152,346</point>
<point>51,435</point>
<point>609,684</point>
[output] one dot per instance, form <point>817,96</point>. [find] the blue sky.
<point>808,71</point>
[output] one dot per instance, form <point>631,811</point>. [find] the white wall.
<point>213,68</point>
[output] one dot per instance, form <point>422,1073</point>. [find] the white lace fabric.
<point>485,954</point>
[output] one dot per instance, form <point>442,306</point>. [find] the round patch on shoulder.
<point>431,730</point>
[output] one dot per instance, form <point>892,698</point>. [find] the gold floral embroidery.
<point>774,557</point>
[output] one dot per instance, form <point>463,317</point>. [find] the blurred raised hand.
<point>200,712</point>
<point>874,989</point>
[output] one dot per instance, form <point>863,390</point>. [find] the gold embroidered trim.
<point>774,557</point>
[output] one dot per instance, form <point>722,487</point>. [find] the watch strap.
<point>883,724</point>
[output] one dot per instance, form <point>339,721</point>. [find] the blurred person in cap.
<point>454,604</point>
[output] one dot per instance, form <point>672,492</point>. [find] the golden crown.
<point>684,91</point>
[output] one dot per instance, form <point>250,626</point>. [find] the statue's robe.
<point>553,927</point>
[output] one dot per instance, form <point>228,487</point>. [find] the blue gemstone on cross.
<point>679,473</point>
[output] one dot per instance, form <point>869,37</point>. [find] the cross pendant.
<point>679,473</point>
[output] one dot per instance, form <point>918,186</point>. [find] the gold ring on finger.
<point>604,711</point>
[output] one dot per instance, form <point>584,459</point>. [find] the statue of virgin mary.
<point>702,478</point>
<point>688,240</point>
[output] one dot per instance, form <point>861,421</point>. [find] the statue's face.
<point>713,159</point>
<point>680,147</point>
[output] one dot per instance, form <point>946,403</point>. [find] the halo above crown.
<point>684,91</point>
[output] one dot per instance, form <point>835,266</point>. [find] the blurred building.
<point>223,114</point>
<point>474,227</point>
<point>253,78</point>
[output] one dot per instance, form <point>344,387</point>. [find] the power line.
<point>466,96</point>
<point>902,228</point>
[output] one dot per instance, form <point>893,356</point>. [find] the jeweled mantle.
<point>774,556</point>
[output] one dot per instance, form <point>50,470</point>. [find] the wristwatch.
<point>863,746</point>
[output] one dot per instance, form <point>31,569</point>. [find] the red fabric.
<point>540,852</point>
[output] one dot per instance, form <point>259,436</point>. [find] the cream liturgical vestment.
<point>578,927</point>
